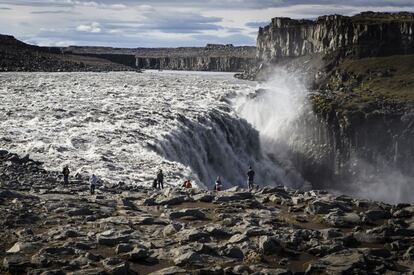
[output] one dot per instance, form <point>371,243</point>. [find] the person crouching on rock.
<point>217,185</point>
<point>160,179</point>
<point>92,182</point>
<point>65,173</point>
<point>187,184</point>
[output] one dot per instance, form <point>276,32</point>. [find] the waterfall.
<point>221,144</point>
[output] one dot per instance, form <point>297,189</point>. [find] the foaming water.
<point>108,123</point>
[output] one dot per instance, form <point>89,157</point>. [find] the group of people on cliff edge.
<point>158,182</point>
<point>93,180</point>
<point>250,181</point>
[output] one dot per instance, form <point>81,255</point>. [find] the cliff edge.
<point>361,77</point>
<point>363,35</point>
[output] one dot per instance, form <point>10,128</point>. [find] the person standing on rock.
<point>160,179</point>
<point>217,185</point>
<point>250,178</point>
<point>92,182</point>
<point>65,173</point>
<point>155,184</point>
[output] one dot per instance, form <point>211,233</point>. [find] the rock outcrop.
<point>224,58</point>
<point>362,35</point>
<point>360,71</point>
<point>50,228</point>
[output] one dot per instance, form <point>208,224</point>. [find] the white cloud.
<point>163,22</point>
<point>94,27</point>
<point>118,6</point>
<point>146,8</point>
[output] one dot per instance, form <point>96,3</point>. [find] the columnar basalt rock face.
<point>365,34</point>
<point>225,58</point>
<point>363,92</point>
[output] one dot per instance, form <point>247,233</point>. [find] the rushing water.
<point>193,125</point>
<point>126,126</point>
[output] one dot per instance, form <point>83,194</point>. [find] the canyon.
<point>359,72</point>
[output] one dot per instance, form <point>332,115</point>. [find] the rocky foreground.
<point>48,228</point>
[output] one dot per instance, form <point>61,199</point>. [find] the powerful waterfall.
<point>126,126</point>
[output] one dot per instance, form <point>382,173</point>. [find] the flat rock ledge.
<point>49,228</point>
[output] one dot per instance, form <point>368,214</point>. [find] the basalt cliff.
<point>213,57</point>
<point>18,56</point>
<point>360,71</point>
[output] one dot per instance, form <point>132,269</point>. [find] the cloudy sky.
<point>163,23</point>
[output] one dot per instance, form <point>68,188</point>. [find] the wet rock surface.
<point>50,228</point>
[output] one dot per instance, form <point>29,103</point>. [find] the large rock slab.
<point>188,213</point>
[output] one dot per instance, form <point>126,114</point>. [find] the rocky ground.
<point>49,228</point>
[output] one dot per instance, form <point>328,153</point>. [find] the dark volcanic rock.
<point>365,34</point>
<point>242,233</point>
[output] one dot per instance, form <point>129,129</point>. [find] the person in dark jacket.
<point>160,179</point>
<point>155,184</point>
<point>92,183</point>
<point>65,173</point>
<point>218,184</point>
<point>250,178</point>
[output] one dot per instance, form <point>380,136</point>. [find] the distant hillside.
<point>18,56</point>
<point>213,57</point>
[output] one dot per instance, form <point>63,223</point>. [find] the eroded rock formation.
<point>366,34</point>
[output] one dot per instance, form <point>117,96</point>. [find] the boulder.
<point>171,229</point>
<point>342,262</point>
<point>238,238</point>
<point>20,247</point>
<point>233,252</point>
<point>110,238</point>
<point>79,212</point>
<point>368,237</point>
<point>320,206</point>
<point>188,213</point>
<point>123,248</point>
<point>331,233</point>
<point>227,197</point>
<point>409,254</point>
<point>116,266</point>
<point>189,258</point>
<point>406,212</point>
<point>137,254</point>
<point>171,201</point>
<point>268,245</point>
<point>173,270</point>
<point>339,219</point>
<point>203,197</point>
<point>378,214</point>
<point>16,263</point>
<point>193,235</point>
